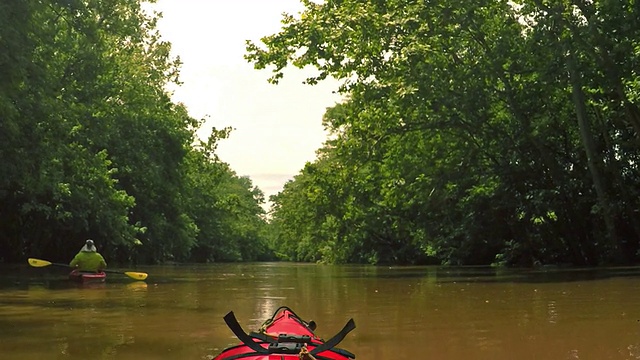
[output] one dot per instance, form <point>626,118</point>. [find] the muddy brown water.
<point>400,312</point>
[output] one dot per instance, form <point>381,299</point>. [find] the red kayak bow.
<point>285,336</point>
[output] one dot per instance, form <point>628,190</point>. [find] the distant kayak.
<point>285,336</point>
<point>87,276</point>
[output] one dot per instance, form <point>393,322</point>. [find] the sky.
<point>276,128</point>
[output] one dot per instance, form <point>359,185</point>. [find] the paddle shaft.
<point>103,270</point>
<point>131,274</point>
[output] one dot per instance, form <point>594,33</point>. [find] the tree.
<point>465,102</point>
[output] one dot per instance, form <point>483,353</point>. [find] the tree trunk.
<point>615,254</point>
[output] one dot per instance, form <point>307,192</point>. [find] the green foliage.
<point>472,132</point>
<point>92,146</point>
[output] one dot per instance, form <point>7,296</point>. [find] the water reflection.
<point>401,312</point>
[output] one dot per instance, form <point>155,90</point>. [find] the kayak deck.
<point>87,276</point>
<point>285,336</point>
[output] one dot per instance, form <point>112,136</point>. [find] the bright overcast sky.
<point>277,128</point>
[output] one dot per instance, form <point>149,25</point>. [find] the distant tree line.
<point>473,132</point>
<point>91,145</point>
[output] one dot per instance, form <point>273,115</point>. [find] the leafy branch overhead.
<point>92,145</point>
<point>472,132</point>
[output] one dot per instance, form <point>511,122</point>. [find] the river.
<point>401,312</point>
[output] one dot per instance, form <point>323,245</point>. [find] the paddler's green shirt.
<point>88,261</point>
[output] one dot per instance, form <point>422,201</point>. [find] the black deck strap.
<point>261,336</point>
<point>252,354</point>
<point>233,324</point>
<point>282,338</point>
<point>336,339</point>
<point>343,352</point>
<point>305,339</point>
<point>285,348</point>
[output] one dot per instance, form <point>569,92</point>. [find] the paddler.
<point>88,259</point>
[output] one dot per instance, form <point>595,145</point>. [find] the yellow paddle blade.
<point>136,275</point>
<point>38,262</point>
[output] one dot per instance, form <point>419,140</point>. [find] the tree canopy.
<point>472,132</point>
<point>93,147</point>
